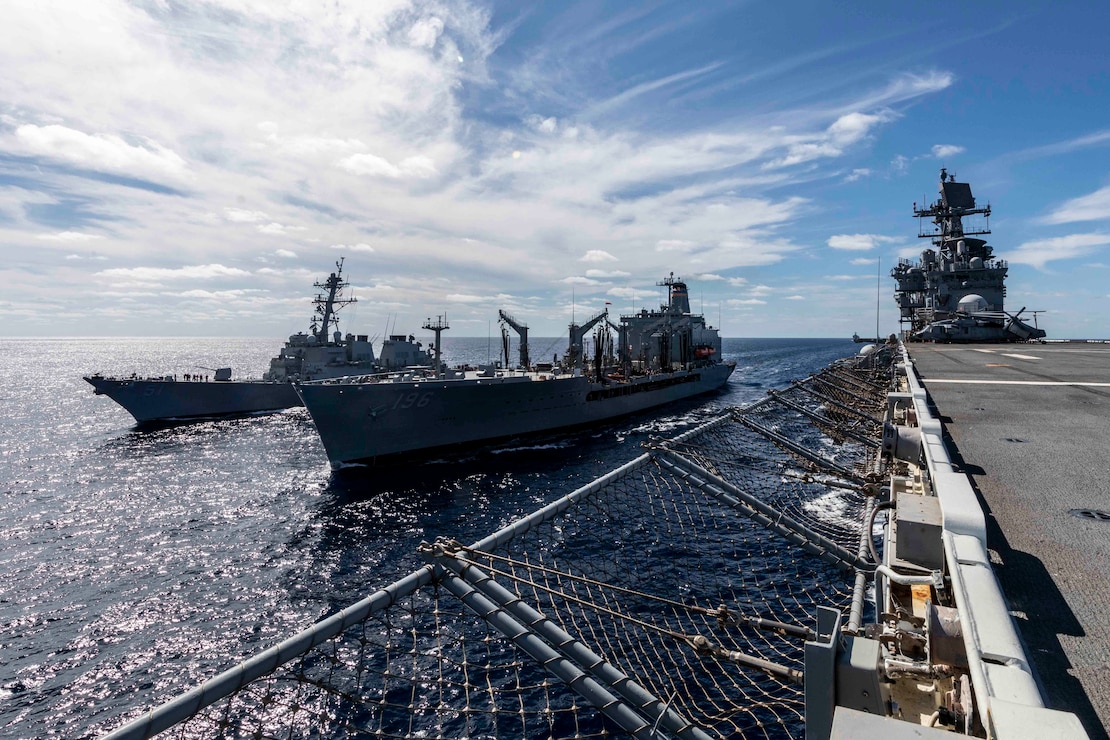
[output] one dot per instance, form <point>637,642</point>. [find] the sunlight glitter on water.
<point>137,563</point>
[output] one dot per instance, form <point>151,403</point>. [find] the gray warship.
<point>305,356</point>
<point>658,357</point>
<point>955,291</point>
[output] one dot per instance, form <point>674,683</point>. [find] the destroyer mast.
<point>327,307</point>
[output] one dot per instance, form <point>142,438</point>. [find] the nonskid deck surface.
<point>1031,424</point>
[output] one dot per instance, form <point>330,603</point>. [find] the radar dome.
<point>868,349</point>
<point>972,303</point>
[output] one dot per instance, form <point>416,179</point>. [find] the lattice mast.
<point>948,212</point>
<point>328,306</point>
<point>959,264</point>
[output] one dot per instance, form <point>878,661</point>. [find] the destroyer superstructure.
<point>323,352</point>
<point>657,357</point>
<point>955,291</point>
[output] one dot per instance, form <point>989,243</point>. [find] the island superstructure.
<point>657,357</point>
<point>323,352</point>
<point>955,291</point>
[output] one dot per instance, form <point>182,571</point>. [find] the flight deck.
<point>1030,425</point>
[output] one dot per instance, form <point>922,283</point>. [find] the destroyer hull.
<point>368,422</point>
<point>166,400</point>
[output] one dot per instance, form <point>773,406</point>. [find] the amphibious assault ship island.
<point>955,292</point>
<point>322,353</point>
<point>660,356</point>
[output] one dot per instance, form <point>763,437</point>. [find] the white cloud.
<point>862,261</point>
<point>465,298</point>
<point>745,302</point>
<point>239,215</point>
<point>625,293</point>
<point>857,174</point>
<point>97,257</point>
<point>278,229</point>
<point>360,247</point>
<point>543,125</point>
<point>1039,253</point>
<point>944,151</point>
<point>285,254</point>
<point>674,245</point>
<point>360,120</point>
<point>842,133</point>
<point>69,236</point>
<point>425,32</point>
<point>795,297</point>
<point>418,166</point>
<point>859,242</point>
<point>578,280</point>
<point>218,294</point>
<point>100,152</point>
<point>191,272</point>
<point>1091,207</point>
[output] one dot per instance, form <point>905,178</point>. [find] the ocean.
<point>137,563</point>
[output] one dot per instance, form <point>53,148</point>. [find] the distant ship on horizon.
<point>321,353</point>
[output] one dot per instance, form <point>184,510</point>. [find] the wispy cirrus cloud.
<point>69,236</point>
<point>1039,253</point>
<point>100,152</point>
<point>432,139</point>
<point>1092,207</point>
<point>860,242</point>
<point>190,272</point>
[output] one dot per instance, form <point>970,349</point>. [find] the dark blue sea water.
<point>134,564</point>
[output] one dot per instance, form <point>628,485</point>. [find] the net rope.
<point>705,609</point>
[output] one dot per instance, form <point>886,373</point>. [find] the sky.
<point>192,168</point>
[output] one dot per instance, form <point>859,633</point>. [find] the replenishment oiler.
<point>322,353</point>
<point>659,357</point>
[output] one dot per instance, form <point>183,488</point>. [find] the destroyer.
<point>304,357</point>
<point>954,292</point>
<point>661,356</point>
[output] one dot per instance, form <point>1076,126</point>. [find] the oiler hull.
<point>376,421</point>
<point>150,400</point>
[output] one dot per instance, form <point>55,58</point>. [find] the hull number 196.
<point>410,400</point>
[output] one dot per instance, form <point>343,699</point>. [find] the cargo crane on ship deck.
<point>577,334</point>
<point>522,331</point>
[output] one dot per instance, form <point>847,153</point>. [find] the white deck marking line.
<point>988,351</point>
<point>1020,357</point>
<point>1015,382</point>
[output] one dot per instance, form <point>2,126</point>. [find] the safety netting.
<point>670,598</point>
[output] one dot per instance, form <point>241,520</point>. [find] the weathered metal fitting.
<point>902,443</point>
<point>724,618</point>
<point>701,644</point>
